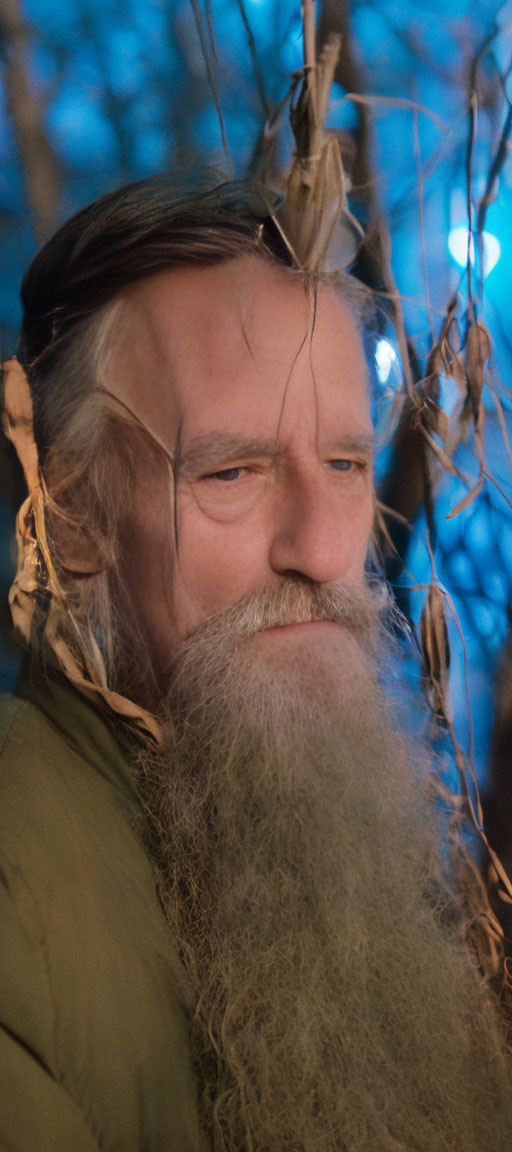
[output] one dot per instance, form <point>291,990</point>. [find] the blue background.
<point>122,91</point>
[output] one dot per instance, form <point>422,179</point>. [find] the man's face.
<point>268,417</point>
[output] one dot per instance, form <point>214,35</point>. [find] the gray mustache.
<point>297,601</point>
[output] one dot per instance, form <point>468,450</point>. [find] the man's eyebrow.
<point>362,444</point>
<point>206,451</point>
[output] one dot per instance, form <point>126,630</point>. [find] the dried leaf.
<point>467,500</point>
<point>143,723</point>
<point>478,349</point>
<point>18,423</point>
<point>502,424</point>
<point>430,385</point>
<point>317,186</point>
<point>382,538</point>
<point>453,336</point>
<point>492,480</point>
<point>393,102</point>
<point>438,421</point>
<point>436,650</point>
<point>442,456</point>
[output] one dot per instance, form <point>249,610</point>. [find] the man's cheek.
<point>220,564</point>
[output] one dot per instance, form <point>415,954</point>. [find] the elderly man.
<point>229,922</point>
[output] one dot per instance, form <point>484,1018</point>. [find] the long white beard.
<point>335,1008</point>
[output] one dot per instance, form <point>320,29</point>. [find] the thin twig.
<point>421,194</point>
<point>211,79</point>
<point>472,130</point>
<point>396,305</point>
<point>392,102</point>
<point>500,156</point>
<point>251,44</point>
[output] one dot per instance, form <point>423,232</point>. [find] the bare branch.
<point>38,158</point>
<point>211,78</point>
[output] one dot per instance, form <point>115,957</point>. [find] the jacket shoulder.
<point>53,800</point>
<point>32,751</point>
<point>10,707</point>
<point>22,726</point>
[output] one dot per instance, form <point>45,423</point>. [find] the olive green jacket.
<point>94,1051</point>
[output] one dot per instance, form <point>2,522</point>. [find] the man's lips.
<point>302,626</point>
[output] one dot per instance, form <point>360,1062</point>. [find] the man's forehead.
<point>189,334</point>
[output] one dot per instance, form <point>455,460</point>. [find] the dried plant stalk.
<point>317,185</point>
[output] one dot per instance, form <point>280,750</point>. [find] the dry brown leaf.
<point>316,193</point>
<point>393,102</point>
<point>142,721</point>
<point>435,649</point>
<point>502,424</point>
<point>453,336</point>
<point>442,456</point>
<point>467,500</point>
<point>18,419</point>
<point>478,350</point>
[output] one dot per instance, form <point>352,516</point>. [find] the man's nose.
<point>314,535</point>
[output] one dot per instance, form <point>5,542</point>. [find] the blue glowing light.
<point>458,245</point>
<point>385,359</point>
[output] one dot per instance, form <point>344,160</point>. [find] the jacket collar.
<point>105,744</point>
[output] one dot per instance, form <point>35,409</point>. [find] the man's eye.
<point>226,474</point>
<point>343,465</point>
